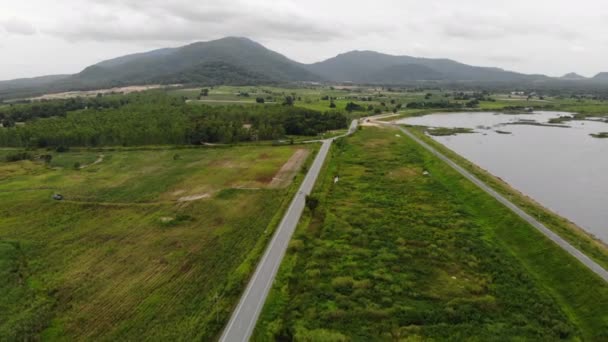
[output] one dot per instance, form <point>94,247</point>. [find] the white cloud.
<point>538,36</point>
<point>15,25</point>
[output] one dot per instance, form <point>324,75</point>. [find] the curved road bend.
<point>243,319</point>
<point>592,265</point>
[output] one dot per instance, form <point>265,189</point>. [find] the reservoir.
<point>560,166</point>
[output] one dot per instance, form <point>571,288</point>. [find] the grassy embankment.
<point>392,254</point>
<point>131,253</point>
<point>575,235</point>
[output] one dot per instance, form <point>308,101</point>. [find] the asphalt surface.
<point>243,320</point>
<point>585,260</point>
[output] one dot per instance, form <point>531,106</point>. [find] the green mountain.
<point>374,67</point>
<point>240,61</point>
<point>28,85</point>
<point>573,77</point>
<point>225,61</point>
<point>601,77</point>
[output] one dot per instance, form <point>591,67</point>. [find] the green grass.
<point>307,97</point>
<point>443,131</point>
<point>392,254</point>
<point>121,258</point>
<point>576,236</point>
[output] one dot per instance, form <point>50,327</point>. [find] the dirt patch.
<point>97,161</point>
<point>369,123</point>
<point>178,192</point>
<point>285,175</point>
<point>403,173</point>
<point>92,93</point>
<point>224,164</point>
<point>194,197</point>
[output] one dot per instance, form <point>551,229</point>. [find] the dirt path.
<point>97,161</point>
<point>193,197</point>
<point>285,175</point>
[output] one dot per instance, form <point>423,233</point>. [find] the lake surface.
<point>564,169</point>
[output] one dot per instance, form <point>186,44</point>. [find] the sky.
<point>553,37</point>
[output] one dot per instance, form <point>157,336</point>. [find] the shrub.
<point>13,157</point>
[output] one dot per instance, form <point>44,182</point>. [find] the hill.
<point>573,77</point>
<point>28,85</point>
<point>371,67</point>
<point>602,76</point>
<point>241,61</point>
<point>225,61</point>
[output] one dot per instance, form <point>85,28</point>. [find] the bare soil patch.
<point>97,161</point>
<point>194,197</point>
<point>285,175</point>
<point>92,93</point>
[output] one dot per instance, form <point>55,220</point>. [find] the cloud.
<point>491,25</point>
<point>505,59</point>
<point>186,21</point>
<point>15,25</point>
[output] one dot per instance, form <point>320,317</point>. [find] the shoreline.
<point>592,246</point>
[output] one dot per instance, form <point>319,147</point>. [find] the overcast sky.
<point>40,37</point>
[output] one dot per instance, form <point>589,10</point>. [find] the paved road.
<point>246,314</point>
<point>592,265</point>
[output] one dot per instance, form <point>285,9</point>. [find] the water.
<point>564,169</point>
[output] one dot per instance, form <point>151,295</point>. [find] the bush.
<point>312,202</point>
<point>13,157</point>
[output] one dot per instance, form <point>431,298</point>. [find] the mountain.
<point>371,67</point>
<point>602,77</point>
<point>241,61</point>
<point>573,76</point>
<point>27,85</point>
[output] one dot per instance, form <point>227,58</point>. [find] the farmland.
<point>148,243</point>
<point>170,196</point>
<point>394,252</point>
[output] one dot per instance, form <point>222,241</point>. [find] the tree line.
<point>155,118</point>
<point>23,112</point>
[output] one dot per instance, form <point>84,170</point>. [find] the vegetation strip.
<point>591,246</point>
<point>403,248</point>
<point>584,259</point>
<point>244,318</point>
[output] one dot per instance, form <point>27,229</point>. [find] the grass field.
<point>314,97</point>
<point>147,245</point>
<point>575,235</point>
<point>394,254</point>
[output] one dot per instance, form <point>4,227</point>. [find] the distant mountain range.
<point>240,61</point>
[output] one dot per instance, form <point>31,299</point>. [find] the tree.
<point>204,92</point>
<point>288,101</point>
<point>332,104</point>
<point>46,158</point>
<point>259,100</point>
<point>351,107</point>
<point>312,202</point>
